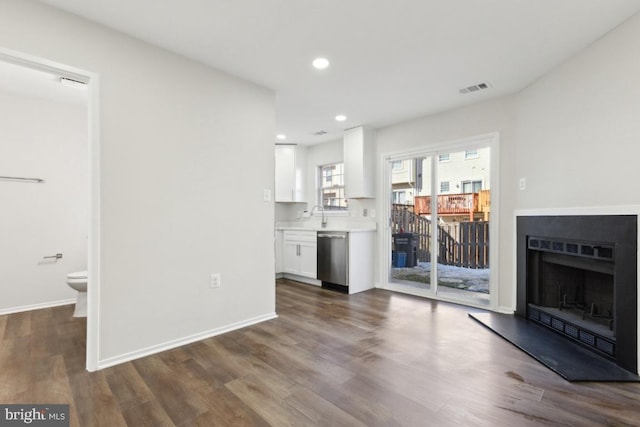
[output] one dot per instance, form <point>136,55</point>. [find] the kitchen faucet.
<point>323,223</point>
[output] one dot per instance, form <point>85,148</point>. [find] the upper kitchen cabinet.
<point>359,163</point>
<point>290,164</point>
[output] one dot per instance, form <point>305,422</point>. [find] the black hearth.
<point>577,275</point>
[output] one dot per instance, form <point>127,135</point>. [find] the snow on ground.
<point>475,280</point>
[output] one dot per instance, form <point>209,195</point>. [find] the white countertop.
<point>328,228</point>
<point>351,228</point>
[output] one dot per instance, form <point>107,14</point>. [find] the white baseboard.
<point>38,306</point>
<point>303,279</point>
<point>127,357</point>
<point>505,310</point>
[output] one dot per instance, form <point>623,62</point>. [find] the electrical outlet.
<point>373,213</point>
<point>523,183</point>
<point>214,280</point>
<point>365,212</point>
<point>266,195</point>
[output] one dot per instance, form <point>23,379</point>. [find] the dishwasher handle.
<point>333,236</point>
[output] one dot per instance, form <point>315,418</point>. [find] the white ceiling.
<point>390,60</point>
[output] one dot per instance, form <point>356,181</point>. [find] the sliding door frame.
<point>385,201</point>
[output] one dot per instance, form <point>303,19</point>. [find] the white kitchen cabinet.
<point>278,249</point>
<point>290,165</point>
<point>361,258</point>
<point>299,253</point>
<point>359,163</point>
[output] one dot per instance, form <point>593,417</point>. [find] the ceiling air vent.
<point>320,133</point>
<point>476,87</point>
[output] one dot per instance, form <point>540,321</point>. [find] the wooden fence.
<point>462,244</point>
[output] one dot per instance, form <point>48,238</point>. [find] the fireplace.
<point>577,276</point>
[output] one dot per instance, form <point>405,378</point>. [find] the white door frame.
<point>92,80</point>
<point>490,139</point>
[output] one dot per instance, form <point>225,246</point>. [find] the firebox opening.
<point>571,290</point>
<point>581,296</point>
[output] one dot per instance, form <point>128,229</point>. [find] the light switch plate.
<point>523,183</point>
<point>266,195</point>
<point>214,280</point>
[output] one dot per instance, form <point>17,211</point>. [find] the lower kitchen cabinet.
<point>278,251</point>
<point>299,253</point>
<point>361,258</point>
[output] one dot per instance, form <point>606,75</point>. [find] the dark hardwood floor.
<point>369,359</point>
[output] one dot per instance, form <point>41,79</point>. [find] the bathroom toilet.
<point>78,281</point>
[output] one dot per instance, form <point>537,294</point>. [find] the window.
<point>471,154</point>
<point>444,157</point>
<point>397,165</point>
<point>471,186</point>
<point>444,186</point>
<point>399,197</point>
<point>331,187</point>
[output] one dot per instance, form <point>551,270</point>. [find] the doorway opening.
<point>441,219</point>
<point>32,84</point>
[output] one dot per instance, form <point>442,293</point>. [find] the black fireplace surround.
<point>577,275</point>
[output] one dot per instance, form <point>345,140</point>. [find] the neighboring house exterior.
<point>463,172</point>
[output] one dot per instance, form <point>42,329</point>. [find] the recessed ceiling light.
<point>341,118</point>
<point>320,63</point>
<point>281,136</point>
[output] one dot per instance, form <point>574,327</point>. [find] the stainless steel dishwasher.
<point>333,260</point>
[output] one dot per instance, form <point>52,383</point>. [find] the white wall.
<point>578,128</point>
<point>186,152</point>
<point>47,140</point>
<point>287,212</point>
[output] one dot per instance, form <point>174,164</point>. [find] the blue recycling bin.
<point>402,259</point>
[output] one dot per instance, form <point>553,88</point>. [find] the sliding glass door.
<point>440,215</point>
